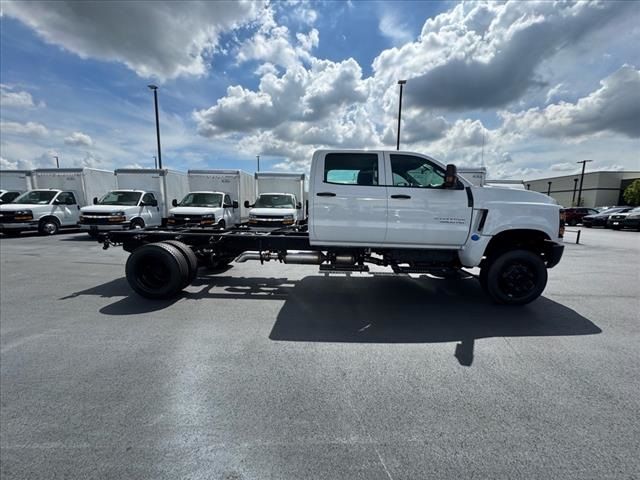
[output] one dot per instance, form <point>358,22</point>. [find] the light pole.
<point>155,162</point>
<point>575,187</point>
<point>57,161</point>
<point>583,162</point>
<point>549,188</point>
<point>155,101</point>
<point>258,157</point>
<point>402,83</point>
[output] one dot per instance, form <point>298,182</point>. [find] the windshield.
<point>129,199</point>
<point>202,200</point>
<point>274,201</point>
<point>36,197</point>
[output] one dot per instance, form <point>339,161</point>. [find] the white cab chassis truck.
<point>55,201</point>
<point>13,183</point>
<point>215,199</point>
<point>279,200</point>
<point>401,210</point>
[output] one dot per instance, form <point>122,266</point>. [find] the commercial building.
<point>598,188</point>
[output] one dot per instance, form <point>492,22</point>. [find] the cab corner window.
<point>411,171</point>
<point>351,168</point>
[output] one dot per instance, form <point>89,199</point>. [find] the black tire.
<point>516,277</point>
<point>49,226</point>
<point>93,235</point>
<point>190,257</point>
<point>157,271</point>
<point>222,224</point>
<point>136,223</point>
<point>483,279</point>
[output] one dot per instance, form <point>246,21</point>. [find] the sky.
<point>524,88</point>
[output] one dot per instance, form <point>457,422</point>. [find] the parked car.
<point>618,221</point>
<point>600,219</point>
<point>574,216</point>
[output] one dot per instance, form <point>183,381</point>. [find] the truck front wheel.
<point>515,277</point>
<point>49,226</point>
<point>157,270</point>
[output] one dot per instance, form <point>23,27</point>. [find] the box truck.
<point>215,198</point>
<point>279,200</point>
<point>476,175</point>
<point>55,200</point>
<point>13,183</point>
<point>141,199</point>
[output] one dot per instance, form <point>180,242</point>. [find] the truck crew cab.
<point>401,210</point>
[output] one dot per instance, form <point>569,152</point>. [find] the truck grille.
<point>95,218</point>
<point>8,217</point>
<point>185,219</point>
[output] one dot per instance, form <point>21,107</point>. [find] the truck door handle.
<point>325,194</point>
<point>401,197</point>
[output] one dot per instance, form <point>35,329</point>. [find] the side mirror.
<point>95,200</point>
<point>247,204</point>
<point>299,205</point>
<point>70,201</point>
<point>174,202</point>
<point>235,204</point>
<point>153,203</point>
<point>451,176</point>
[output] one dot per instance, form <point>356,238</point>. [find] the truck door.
<point>67,209</point>
<point>350,203</point>
<point>151,210</point>
<point>421,211</point>
<point>228,213</point>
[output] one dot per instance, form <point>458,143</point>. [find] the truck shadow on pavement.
<point>377,309</point>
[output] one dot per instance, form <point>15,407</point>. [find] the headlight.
<point>288,217</point>
<point>207,219</point>
<point>118,214</point>
<point>24,212</point>
<point>252,217</point>
<point>209,216</point>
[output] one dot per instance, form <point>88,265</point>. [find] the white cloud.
<point>391,27</point>
<point>556,91</point>
<point>485,55</point>
<point>614,107</point>
<point>160,39</point>
<point>564,167</point>
<point>79,139</point>
<point>10,97</point>
<point>28,129</point>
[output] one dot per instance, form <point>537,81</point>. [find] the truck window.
<point>410,171</point>
<point>148,198</point>
<point>351,168</point>
<point>129,199</point>
<point>67,198</point>
<point>227,200</point>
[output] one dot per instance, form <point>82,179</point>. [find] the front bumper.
<point>32,225</point>
<point>104,227</point>
<point>552,253</point>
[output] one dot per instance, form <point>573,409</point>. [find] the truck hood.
<point>274,212</point>
<point>485,194</point>
<point>12,207</point>
<point>108,208</point>
<point>196,211</point>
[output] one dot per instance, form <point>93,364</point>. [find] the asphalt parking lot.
<point>277,372</point>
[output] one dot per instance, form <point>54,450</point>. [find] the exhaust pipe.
<point>262,257</point>
<point>304,258</point>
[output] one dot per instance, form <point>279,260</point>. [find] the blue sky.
<point>541,85</point>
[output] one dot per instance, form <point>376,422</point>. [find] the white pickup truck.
<point>401,210</point>
<point>204,209</point>
<point>121,210</point>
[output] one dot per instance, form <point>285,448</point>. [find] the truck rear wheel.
<point>515,277</point>
<point>157,270</point>
<point>49,226</point>
<point>190,257</point>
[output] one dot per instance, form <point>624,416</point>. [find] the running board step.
<point>344,268</point>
